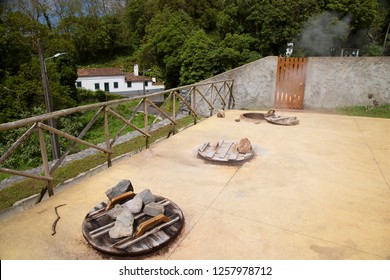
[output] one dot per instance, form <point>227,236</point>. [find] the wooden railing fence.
<point>217,95</point>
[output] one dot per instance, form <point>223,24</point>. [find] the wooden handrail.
<point>37,123</point>
<point>80,109</point>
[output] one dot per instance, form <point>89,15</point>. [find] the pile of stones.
<point>124,213</point>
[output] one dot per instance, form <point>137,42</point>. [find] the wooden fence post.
<point>107,136</point>
<point>193,102</point>
<point>146,123</point>
<point>174,113</point>
<point>211,99</point>
<point>45,162</point>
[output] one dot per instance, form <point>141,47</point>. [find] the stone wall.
<point>254,84</point>
<point>346,81</point>
<point>330,82</point>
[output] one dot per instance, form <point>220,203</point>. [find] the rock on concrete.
<point>221,114</point>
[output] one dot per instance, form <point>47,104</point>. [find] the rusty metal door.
<point>290,83</point>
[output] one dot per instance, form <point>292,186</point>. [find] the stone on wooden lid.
<point>146,196</point>
<point>122,187</point>
<point>123,225</point>
<point>244,146</point>
<point>153,209</point>
<point>134,205</point>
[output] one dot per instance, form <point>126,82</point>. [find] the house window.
<point>146,83</point>
<point>115,84</point>
<point>128,84</point>
<point>97,86</point>
<point>78,84</point>
<point>106,87</point>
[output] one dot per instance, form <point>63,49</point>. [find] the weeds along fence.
<point>216,95</point>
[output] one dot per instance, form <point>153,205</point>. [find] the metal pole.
<point>48,102</point>
<point>387,32</point>
<point>143,81</point>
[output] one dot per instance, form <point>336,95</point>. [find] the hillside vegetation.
<point>181,42</point>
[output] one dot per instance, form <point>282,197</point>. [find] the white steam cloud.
<point>323,32</point>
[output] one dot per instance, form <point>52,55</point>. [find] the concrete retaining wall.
<point>330,82</point>
<point>254,85</point>
<point>346,81</point>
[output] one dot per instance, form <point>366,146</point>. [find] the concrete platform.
<point>318,190</point>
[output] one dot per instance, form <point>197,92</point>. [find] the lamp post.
<point>387,32</point>
<point>48,100</point>
<point>143,74</point>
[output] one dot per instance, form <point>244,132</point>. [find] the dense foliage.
<point>182,41</point>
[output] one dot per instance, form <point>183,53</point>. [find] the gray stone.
<point>123,225</point>
<point>153,209</point>
<point>134,205</point>
<point>126,217</point>
<point>146,196</point>
<point>116,211</point>
<point>122,187</point>
<point>119,230</point>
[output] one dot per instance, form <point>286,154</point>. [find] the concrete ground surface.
<point>317,190</point>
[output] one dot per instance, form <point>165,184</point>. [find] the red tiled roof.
<point>130,77</point>
<point>110,71</point>
<point>90,72</point>
<point>158,84</point>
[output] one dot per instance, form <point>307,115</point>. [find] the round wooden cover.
<point>97,224</point>
<point>223,152</point>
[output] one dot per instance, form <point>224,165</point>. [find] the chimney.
<point>135,69</point>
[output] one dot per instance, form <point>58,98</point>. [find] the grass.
<point>382,111</point>
<point>29,187</point>
<point>95,135</point>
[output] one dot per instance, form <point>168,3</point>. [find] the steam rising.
<point>323,32</point>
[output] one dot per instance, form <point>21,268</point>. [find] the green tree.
<point>275,23</point>
<point>94,38</point>
<point>367,19</point>
<point>227,20</point>
<point>21,92</point>
<point>198,58</point>
<point>236,50</point>
<point>376,33</point>
<point>361,11</point>
<point>63,89</point>
<point>20,87</point>
<point>165,36</point>
<point>139,14</point>
<point>204,12</point>
<point>17,33</point>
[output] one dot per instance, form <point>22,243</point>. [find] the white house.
<point>114,80</point>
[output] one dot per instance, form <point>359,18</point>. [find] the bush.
<point>89,96</point>
<point>373,50</point>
